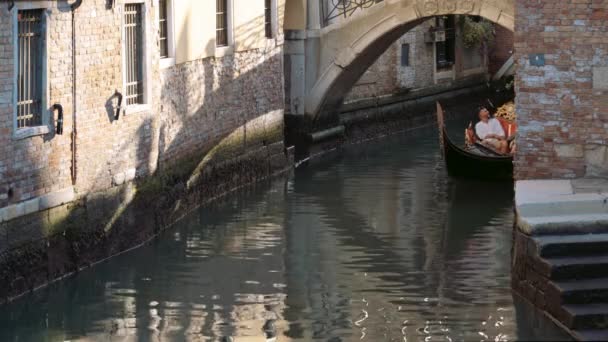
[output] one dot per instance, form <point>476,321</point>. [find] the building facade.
<point>417,61</point>
<point>102,101</point>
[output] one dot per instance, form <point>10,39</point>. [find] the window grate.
<point>221,33</point>
<point>134,54</point>
<point>30,57</point>
<point>268,18</point>
<point>163,28</point>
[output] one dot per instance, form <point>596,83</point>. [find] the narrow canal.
<point>372,244</point>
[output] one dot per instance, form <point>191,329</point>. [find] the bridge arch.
<point>348,48</point>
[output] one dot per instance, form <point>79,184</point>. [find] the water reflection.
<point>376,246</point>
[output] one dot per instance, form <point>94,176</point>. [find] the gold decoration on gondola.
<point>507,112</point>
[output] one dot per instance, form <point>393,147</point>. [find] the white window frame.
<point>139,107</point>
<point>168,61</point>
<point>227,49</point>
<point>45,128</point>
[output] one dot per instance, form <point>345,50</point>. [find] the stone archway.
<point>348,48</point>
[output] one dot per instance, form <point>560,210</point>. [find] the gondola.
<point>477,163</point>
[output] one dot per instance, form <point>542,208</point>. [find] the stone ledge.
<point>47,201</point>
<point>564,224</point>
<point>561,207</point>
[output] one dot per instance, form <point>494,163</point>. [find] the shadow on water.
<point>375,244</point>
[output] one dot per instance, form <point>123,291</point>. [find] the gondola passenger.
<point>491,133</point>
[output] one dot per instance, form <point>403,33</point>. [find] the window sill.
<point>23,133</point>
<point>137,108</point>
<point>166,63</point>
<point>222,51</point>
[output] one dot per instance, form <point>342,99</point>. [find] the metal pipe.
<point>59,108</point>
<point>74,7</point>
<point>326,134</point>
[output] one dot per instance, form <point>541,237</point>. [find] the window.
<point>163,26</point>
<point>445,51</point>
<point>30,68</point>
<point>133,49</point>
<point>268,18</point>
<point>221,23</point>
<point>405,55</point>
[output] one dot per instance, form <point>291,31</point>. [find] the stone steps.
<point>571,245</point>
<point>581,317</point>
<point>575,268</point>
<point>587,291</point>
<point>591,335</point>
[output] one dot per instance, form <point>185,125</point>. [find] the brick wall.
<point>191,107</point>
<point>379,79</point>
<point>37,165</point>
<point>561,115</point>
<point>421,71</point>
<point>205,100</point>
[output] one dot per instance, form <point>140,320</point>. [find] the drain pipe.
<point>74,7</point>
<point>326,134</point>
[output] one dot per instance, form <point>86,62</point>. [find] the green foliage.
<point>474,33</point>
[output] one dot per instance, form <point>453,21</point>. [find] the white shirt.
<point>493,126</point>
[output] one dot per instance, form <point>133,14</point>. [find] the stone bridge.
<point>326,53</point>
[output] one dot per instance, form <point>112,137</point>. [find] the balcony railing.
<point>333,10</point>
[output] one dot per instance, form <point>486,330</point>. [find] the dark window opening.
<point>221,18</point>
<point>268,18</point>
<point>405,55</point>
<point>163,24</point>
<point>446,50</point>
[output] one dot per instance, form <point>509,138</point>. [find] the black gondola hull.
<point>465,164</point>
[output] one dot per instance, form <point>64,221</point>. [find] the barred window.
<point>134,63</point>
<point>221,22</point>
<point>163,24</point>
<point>268,18</point>
<point>31,52</point>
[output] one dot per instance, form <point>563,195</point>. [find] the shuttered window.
<point>221,22</point>
<point>163,26</point>
<point>268,18</point>
<point>134,64</point>
<point>30,54</point>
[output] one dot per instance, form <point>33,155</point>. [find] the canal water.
<point>374,243</point>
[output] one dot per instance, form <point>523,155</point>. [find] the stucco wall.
<point>195,27</point>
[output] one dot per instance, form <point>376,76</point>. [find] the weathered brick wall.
<point>501,49</point>
<point>379,79</point>
<point>205,100</point>
<point>190,107</point>
<point>37,165</point>
<point>421,71</point>
<point>42,164</point>
<point>560,112</point>
<point>106,148</point>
